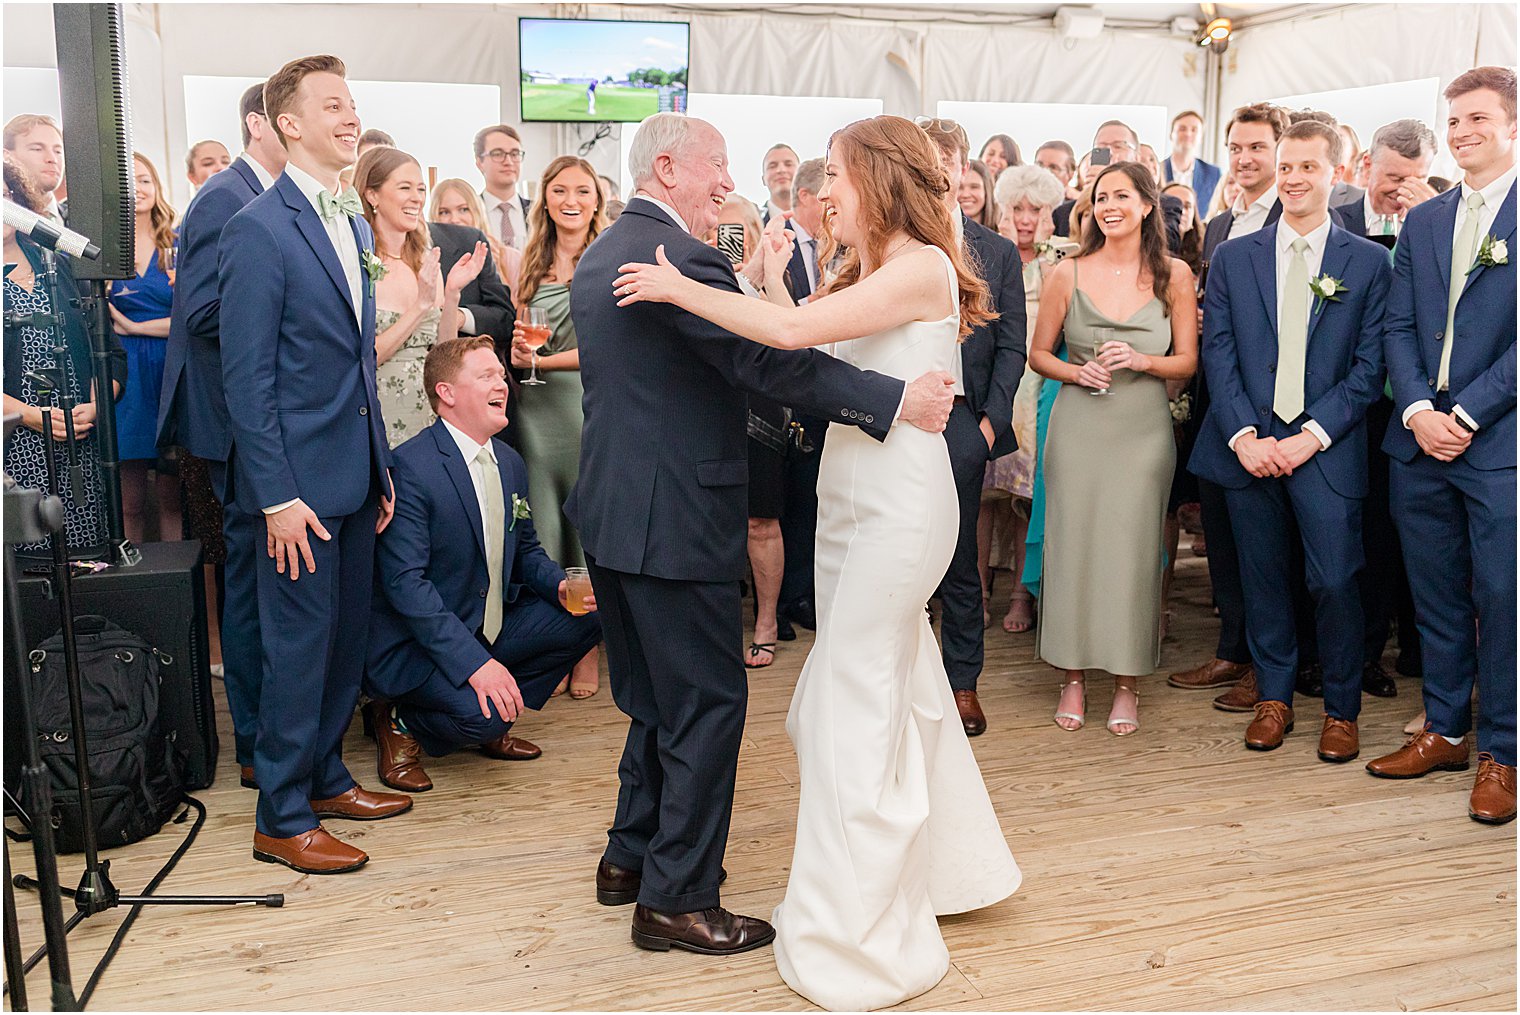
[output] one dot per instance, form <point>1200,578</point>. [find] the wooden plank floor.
<point>1169,870</point>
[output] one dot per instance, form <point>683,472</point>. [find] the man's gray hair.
<point>661,133</point>
<point>1409,138</point>
<point>1034,183</point>
<point>809,177</point>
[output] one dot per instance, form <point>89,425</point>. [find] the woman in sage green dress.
<point>1129,318</point>
<point>565,217</point>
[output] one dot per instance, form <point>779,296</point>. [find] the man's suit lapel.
<point>1501,228</point>
<point>361,244</point>
<point>1264,267</point>
<point>1337,257</point>
<point>1442,225</point>
<point>310,226</point>
<point>459,474</point>
<point>508,530</point>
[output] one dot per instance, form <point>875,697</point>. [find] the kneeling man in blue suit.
<point>470,623</point>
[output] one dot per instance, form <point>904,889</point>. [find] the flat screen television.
<point>601,71</point>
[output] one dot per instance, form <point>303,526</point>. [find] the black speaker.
<point>163,601</point>
<point>97,136</point>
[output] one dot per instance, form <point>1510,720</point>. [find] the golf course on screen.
<point>568,102</point>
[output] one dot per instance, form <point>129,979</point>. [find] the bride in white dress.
<point>894,826</point>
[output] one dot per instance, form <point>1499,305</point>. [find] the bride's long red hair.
<point>895,168</point>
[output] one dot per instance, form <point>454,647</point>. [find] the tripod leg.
<point>15,975</point>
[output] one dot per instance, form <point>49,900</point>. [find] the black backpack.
<point>135,770</point>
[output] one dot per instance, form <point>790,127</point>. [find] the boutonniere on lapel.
<point>1326,288</point>
<point>373,267</point>
<point>1491,253</point>
<point>520,510</point>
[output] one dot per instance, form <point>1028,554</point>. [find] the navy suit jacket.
<point>1343,373</point>
<point>486,297</point>
<point>298,368</point>
<point>664,472</point>
<point>992,356</point>
<point>1482,379</point>
<point>1206,177</point>
<point>796,270</point>
<point>192,411</point>
<point>430,565</point>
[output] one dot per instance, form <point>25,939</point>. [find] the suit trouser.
<point>1385,583</point>
<point>1330,530</point>
<point>799,519</point>
<point>962,642</point>
<point>539,644</point>
<point>242,653</point>
<point>1458,528</point>
<point>315,636</point>
<point>675,670</point>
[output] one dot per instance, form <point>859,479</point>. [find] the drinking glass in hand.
<point>536,331</point>
<point>577,588</point>
<point>1101,337</point>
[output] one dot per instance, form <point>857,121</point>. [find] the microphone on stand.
<point>48,233</point>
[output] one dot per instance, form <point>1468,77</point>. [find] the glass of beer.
<point>536,331</point>
<point>577,588</point>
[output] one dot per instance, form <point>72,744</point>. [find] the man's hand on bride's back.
<point>928,400</point>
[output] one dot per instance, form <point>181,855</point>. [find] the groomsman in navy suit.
<point>470,618</point>
<point>193,410</point>
<point>1451,360</point>
<point>298,365</point>
<point>1294,319</point>
<point>1183,165</point>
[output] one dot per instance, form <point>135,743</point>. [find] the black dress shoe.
<point>1378,682</point>
<point>784,631</point>
<point>802,613</point>
<point>619,886</point>
<point>713,931</point>
<point>1311,681</point>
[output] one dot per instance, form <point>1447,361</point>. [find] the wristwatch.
<point>1463,423</point>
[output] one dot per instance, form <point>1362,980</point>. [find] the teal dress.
<point>1034,542</point>
<point>549,421</point>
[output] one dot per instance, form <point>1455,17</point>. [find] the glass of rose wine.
<point>536,331</point>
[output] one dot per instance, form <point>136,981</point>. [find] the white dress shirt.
<point>1251,218</point>
<point>1493,196</point>
<point>1183,176</point>
<point>341,232</point>
<point>493,205</point>
<point>265,180</point>
<point>478,478</point>
<point>1313,258</point>
<point>1372,218</point>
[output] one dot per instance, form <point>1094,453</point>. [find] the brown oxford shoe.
<point>313,852</point>
<point>398,756</point>
<point>509,748</point>
<point>1274,720</point>
<point>1423,753</point>
<point>361,804</point>
<point>246,778</point>
<point>973,720</point>
<point>713,931</point>
<point>1214,673</point>
<point>1493,793</point>
<point>619,886</point>
<point>1242,697</point>
<point>1338,741</point>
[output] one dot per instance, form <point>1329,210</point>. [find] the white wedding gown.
<point>894,825</point>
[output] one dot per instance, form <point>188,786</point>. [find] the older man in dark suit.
<point>661,506</point>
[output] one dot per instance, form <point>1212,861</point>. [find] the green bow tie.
<point>330,207</point>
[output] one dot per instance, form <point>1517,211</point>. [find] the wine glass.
<point>536,331</point>
<point>1101,337</point>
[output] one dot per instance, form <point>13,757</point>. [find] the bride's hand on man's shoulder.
<point>638,282</point>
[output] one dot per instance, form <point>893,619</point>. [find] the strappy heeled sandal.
<point>759,646</point>
<point>1079,717</point>
<point>1125,720</point>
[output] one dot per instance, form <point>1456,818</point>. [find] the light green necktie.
<point>494,529</point>
<point>330,207</point>
<point>1292,337</point>
<point>1463,251</point>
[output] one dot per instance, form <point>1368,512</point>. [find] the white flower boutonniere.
<point>1491,254</point>
<point>520,510</point>
<point>1046,251</point>
<point>1326,288</point>
<point>374,268</point>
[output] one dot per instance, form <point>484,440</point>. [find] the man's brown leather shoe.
<point>1273,721</point>
<point>1338,740</point>
<point>1493,793</point>
<point>313,852</point>
<point>1423,753</point>
<point>713,931</point>
<point>398,756</point>
<point>361,804</point>
<point>619,886</point>
<point>973,720</point>
<point>246,778</point>
<point>1214,673</point>
<point>509,748</point>
<point>1242,697</point>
